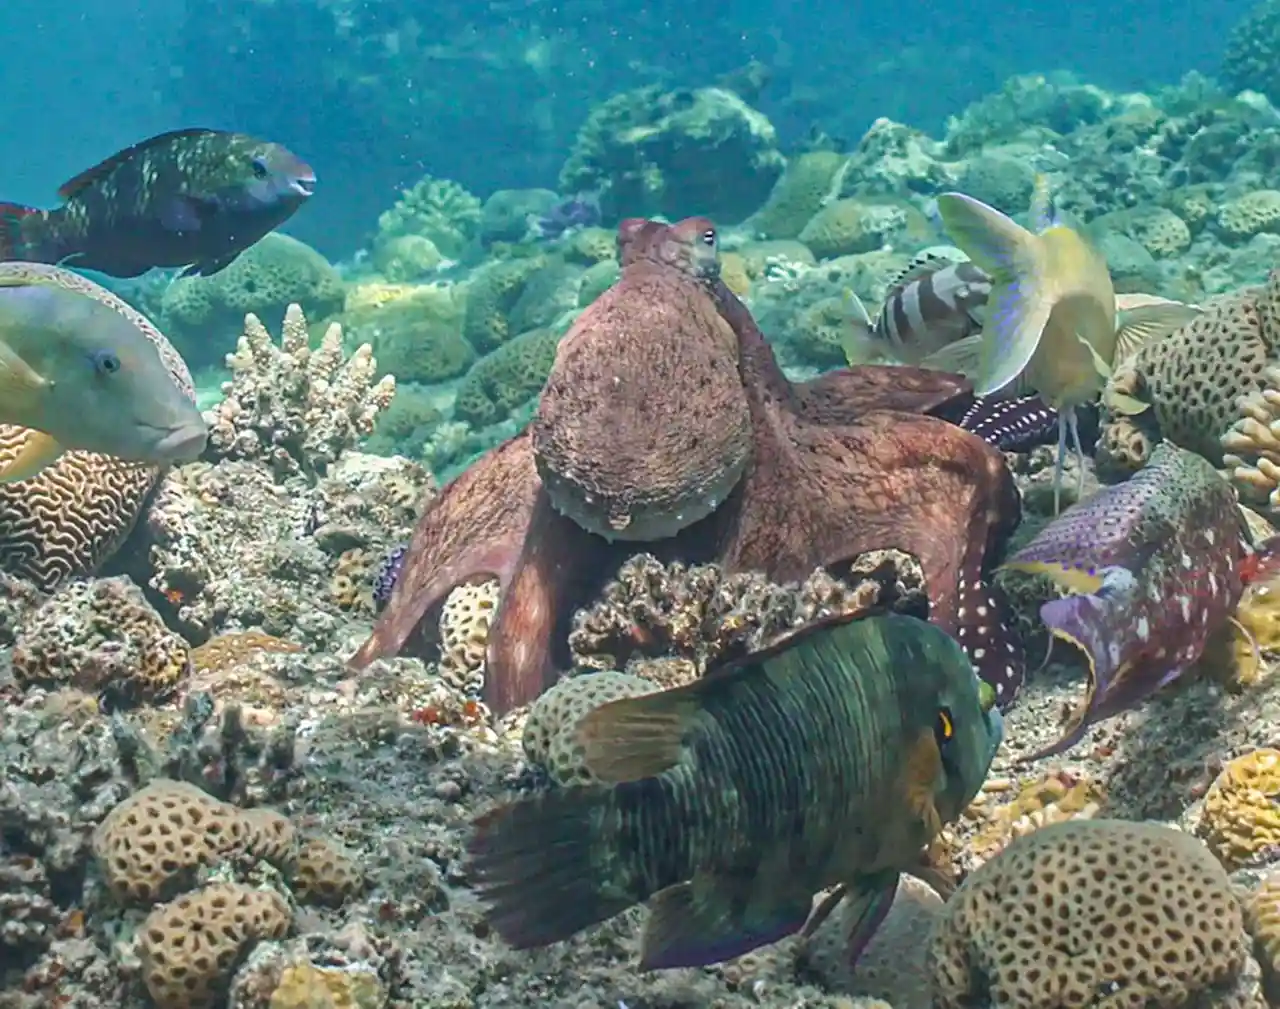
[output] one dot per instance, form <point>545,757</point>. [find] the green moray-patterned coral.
<point>508,378</point>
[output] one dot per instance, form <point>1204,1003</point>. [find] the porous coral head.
<point>1090,912</point>
<point>1240,822</point>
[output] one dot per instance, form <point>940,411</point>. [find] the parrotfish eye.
<point>944,728</point>
<point>709,237</point>
<point>106,363</point>
<point>259,166</point>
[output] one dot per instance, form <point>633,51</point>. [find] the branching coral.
<point>437,209</point>
<point>292,406</point>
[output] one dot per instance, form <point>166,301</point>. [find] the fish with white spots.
<point>1021,423</point>
<point>1156,564</point>
<point>985,633</point>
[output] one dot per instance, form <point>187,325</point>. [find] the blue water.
<point>498,90</point>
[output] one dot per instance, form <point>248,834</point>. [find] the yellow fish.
<point>1051,315</point>
<point>82,375</point>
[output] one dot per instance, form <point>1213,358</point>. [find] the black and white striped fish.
<point>935,303</point>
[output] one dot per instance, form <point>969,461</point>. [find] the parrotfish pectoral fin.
<point>869,906</point>
<point>37,452</point>
<point>704,921</point>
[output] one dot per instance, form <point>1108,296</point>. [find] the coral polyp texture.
<point>293,406</point>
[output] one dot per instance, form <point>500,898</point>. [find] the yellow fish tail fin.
<point>1042,210</point>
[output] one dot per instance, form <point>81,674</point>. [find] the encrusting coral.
<point>292,406</point>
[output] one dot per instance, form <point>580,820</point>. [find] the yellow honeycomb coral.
<point>550,733</point>
<point>464,633</point>
<point>306,986</point>
<point>325,874</point>
<point>1093,913</point>
<point>190,946</point>
<point>1252,214</point>
<point>1241,818</point>
<point>1262,912</point>
<point>229,650</point>
<point>1055,797</point>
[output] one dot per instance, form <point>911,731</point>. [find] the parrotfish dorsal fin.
<point>1042,212</point>
<point>105,167</point>
<point>641,737</point>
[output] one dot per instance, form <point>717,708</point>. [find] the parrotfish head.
<point>968,730</point>
<point>263,180</point>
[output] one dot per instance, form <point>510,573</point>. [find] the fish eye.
<point>709,237</point>
<point>944,728</point>
<point>106,363</point>
<point>259,166</point>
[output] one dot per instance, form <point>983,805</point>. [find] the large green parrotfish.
<point>1156,563</point>
<point>833,757</point>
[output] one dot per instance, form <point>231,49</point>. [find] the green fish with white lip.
<point>84,376</point>
<point>831,758</point>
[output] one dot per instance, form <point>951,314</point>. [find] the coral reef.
<point>295,407</point>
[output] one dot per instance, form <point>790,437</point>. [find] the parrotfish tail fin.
<point>1011,425</point>
<point>534,861</point>
<point>711,919</point>
<point>1020,300</point>
<point>16,223</point>
<point>1068,428</point>
<point>1073,426</point>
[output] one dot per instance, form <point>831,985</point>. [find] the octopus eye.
<point>709,237</point>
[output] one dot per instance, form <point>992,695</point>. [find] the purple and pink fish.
<point>1158,564</point>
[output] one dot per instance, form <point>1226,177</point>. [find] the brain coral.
<point>1240,821</point>
<point>438,209</point>
<point>844,227</point>
<point>491,297</point>
<point>1252,214</point>
<point>1101,913</point>
<point>203,315</point>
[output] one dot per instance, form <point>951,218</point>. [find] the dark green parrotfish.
<point>831,758</point>
<point>193,198</point>
<point>1157,564</point>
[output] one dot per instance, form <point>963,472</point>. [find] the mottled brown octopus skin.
<point>643,427</point>
<point>831,475</point>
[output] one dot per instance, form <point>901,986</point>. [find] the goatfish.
<point>832,757</point>
<point>1050,318</point>
<point>193,198</point>
<point>82,374</point>
<point>1157,565</point>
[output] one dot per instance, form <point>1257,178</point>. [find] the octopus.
<point>667,425</point>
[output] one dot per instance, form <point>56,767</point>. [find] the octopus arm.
<point>474,529</point>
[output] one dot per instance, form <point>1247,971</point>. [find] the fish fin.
<point>1124,405</point>
<point>964,357</point>
<point>638,737</point>
<point>858,341</point>
<point>1020,303</point>
<point>1136,327</point>
<point>103,168</point>
<point>1100,365</point>
<point>182,214</point>
<point>37,452</point>
<point>919,782</point>
<point>534,862</point>
<point>208,268</point>
<point>869,904</point>
<point>13,243</point>
<point>1041,212</point>
<point>857,309</point>
<point>706,921</point>
<point>17,378</point>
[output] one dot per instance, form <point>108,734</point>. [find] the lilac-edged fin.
<point>1155,563</point>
